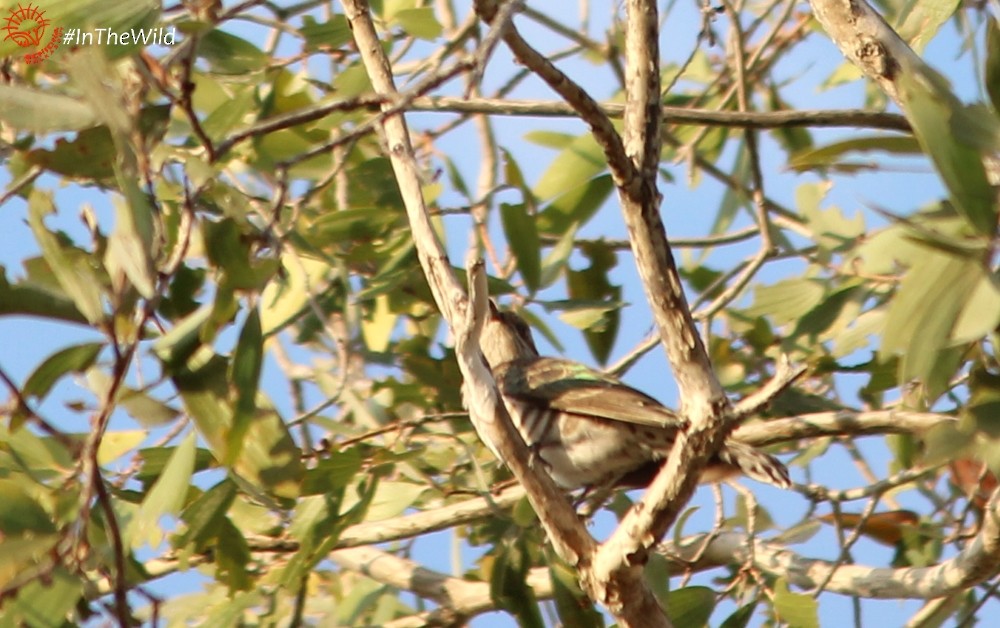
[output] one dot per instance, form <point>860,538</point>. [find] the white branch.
<point>977,562</point>
<point>865,38</point>
<point>566,532</point>
<point>839,423</point>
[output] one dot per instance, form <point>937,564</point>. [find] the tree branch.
<point>565,530</point>
<point>977,562</point>
<point>840,423</point>
<point>704,403</point>
<point>867,41</point>
<point>492,421</point>
<point>548,109</point>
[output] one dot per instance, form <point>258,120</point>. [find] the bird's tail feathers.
<point>755,464</point>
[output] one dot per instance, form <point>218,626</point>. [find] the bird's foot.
<point>535,460</point>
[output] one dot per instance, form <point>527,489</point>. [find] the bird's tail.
<point>755,464</point>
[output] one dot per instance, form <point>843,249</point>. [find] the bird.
<point>590,430</point>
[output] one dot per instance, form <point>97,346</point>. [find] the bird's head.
<point>506,337</point>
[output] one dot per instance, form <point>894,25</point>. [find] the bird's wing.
<point>576,389</point>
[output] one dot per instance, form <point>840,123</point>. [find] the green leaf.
<point>581,160</point>
<point>978,126</point>
<point>513,175</point>
<point>229,250</point>
<point>24,552</point>
<point>232,113</point>
<point>981,313</point>
<point>860,332</point>
<point>932,110</point>
<point>231,612</point>
<point>332,34</point>
<point>920,20</point>
<point>204,515</point>
<point>829,155</point>
<point>991,69</point>
<point>75,359</point>
<point>43,459</point>
<point>37,111</point>
<point>29,299</point>
<point>575,207</point>
<point>598,320</point>
<point>269,457</point>
<point>246,366</point>
<point>519,227</point>
<point>229,54</point>
<point>352,81</point>
<point>89,156</point>
<point>799,533</point>
<point>146,410</point>
<point>315,518</point>
<point>523,515</point>
<point>574,608</point>
<point>45,602</point>
<point>555,261</point>
<point>796,610</point>
<point>20,513</point>
<point>177,345</point>
<point>455,177</point>
<point>925,307</point>
<point>681,522</point>
<point>391,499</point>
<point>232,553</point>
<point>740,618</point>
<point>419,22</point>
<point>130,248</point>
<point>598,313</point>
<point>509,588</point>
<point>786,301</point>
<point>288,295</point>
<point>165,497</point>
<point>100,86</point>
<point>155,459</point>
<point>75,277</point>
<point>690,606</point>
<point>734,199</point>
<point>791,138</point>
<point>333,472</point>
<point>834,231</point>
<point>317,523</point>
<point>984,402</point>
<point>550,139</point>
<point>818,321</point>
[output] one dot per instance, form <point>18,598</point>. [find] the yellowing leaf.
<point>116,444</point>
<point>378,325</point>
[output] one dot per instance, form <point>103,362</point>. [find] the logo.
<point>26,26</point>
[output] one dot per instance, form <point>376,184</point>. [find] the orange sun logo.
<point>26,25</point>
